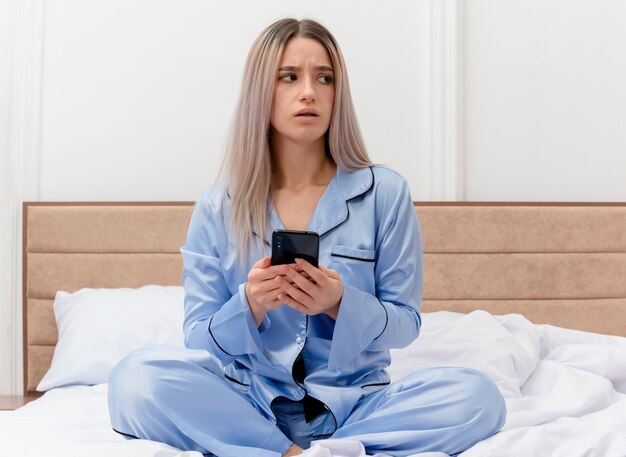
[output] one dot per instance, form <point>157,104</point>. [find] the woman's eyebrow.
<point>294,68</point>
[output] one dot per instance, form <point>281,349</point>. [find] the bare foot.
<point>293,450</point>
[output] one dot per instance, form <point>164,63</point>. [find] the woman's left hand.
<point>311,290</point>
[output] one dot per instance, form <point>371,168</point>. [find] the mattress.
<point>565,392</point>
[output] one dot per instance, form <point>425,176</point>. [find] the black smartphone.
<point>287,245</point>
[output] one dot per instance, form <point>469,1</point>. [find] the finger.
<point>331,273</point>
<point>313,272</point>
<point>303,283</point>
<point>262,269</point>
<point>262,263</point>
<point>270,299</point>
<point>270,272</point>
<point>302,272</point>
<point>294,292</point>
<point>268,286</point>
<point>289,301</point>
<point>261,282</point>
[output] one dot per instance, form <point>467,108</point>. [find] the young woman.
<point>279,356</point>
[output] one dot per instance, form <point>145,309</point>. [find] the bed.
<point>533,294</point>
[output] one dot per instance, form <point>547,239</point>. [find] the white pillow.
<point>505,348</point>
<point>98,327</point>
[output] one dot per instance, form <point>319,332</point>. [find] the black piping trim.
<point>334,420</point>
<point>352,198</point>
<point>218,344</point>
<point>323,435</point>
<point>306,331</point>
<point>386,318</point>
<point>348,208</point>
<point>126,434</point>
<point>352,258</point>
<point>376,384</point>
<point>230,378</point>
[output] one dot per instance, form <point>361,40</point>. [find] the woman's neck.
<point>298,166</point>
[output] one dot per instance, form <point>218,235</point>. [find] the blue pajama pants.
<point>180,397</point>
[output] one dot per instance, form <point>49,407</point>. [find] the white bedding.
<point>565,392</point>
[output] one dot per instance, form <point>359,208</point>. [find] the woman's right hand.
<point>262,290</point>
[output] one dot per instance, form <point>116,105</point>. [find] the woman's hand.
<point>261,289</point>
<point>310,290</point>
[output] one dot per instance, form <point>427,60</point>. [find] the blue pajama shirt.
<point>233,391</point>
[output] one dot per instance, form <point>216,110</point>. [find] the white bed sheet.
<point>565,392</point>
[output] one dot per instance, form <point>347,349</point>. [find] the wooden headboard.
<point>557,263</point>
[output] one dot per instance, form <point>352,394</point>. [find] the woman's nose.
<point>307,89</point>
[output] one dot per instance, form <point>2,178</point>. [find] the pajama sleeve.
<point>391,317</point>
<point>215,318</point>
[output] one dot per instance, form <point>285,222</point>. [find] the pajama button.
<point>298,340</point>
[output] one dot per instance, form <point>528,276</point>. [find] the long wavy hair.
<point>248,158</point>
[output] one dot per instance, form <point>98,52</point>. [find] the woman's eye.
<point>288,77</point>
<point>325,79</point>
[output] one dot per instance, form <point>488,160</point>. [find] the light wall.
<point>545,100</point>
<point>471,100</point>
<point>138,96</point>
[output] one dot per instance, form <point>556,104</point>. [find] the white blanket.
<point>565,393</point>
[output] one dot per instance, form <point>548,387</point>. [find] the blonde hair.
<point>248,158</point>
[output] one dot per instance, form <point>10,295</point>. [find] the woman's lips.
<point>307,113</point>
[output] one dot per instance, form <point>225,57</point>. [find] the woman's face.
<point>304,92</point>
